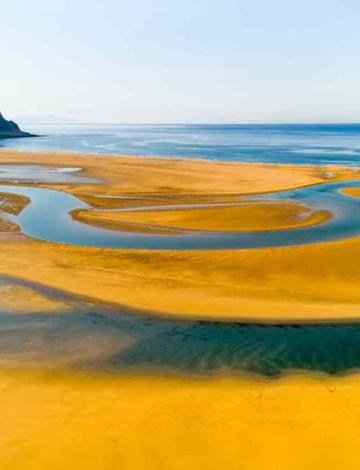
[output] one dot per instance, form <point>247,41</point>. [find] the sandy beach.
<point>89,419</point>
<point>180,235</point>
<point>312,282</point>
<point>95,421</point>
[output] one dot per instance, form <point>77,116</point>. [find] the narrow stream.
<point>48,218</point>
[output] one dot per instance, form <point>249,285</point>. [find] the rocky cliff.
<point>9,129</point>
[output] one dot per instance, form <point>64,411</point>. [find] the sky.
<point>188,61</point>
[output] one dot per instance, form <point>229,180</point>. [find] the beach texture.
<point>57,412</point>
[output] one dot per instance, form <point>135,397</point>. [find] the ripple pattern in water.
<point>84,334</point>
<point>270,350</point>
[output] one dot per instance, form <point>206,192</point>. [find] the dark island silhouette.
<point>9,129</point>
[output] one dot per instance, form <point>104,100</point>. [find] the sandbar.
<point>313,283</point>
<point>354,192</point>
<point>58,418</point>
<point>246,217</point>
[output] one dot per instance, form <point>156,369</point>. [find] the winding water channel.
<point>199,347</point>
<point>48,217</point>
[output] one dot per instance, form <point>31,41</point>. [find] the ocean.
<point>273,143</point>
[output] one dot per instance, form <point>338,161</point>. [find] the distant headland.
<point>9,129</point>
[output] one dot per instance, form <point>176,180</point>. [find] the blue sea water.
<point>275,143</point>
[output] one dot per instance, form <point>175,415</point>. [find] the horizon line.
<point>189,123</point>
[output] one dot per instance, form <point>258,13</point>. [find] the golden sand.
<point>248,217</point>
<point>16,298</point>
<point>305,282</point>
<point>65,420</point>
<point>289,283</point>
<point>354,192</point>
<point>62,420</point>
<point>139,176</point>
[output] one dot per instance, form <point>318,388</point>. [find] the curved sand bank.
<point>58,419</point>
<point>144,176</point>
<point>149,421</point>
<point>244,217</point>
<point>354,192</point>
<point>313,282</point>
<point>11,204</point>
<point>43,327</point>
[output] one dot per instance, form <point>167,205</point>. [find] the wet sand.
<point>10,204</point>
<point>53,417</point>
<point>354,192</point>
<point>309,282</point>
<point>57,418</point>
<point>313,282</point>
<point>139,176</point>
<point>246,217</point>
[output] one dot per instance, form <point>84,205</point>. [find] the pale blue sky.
<point>181,61</point>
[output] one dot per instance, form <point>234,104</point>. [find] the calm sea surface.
<point>300,144</point>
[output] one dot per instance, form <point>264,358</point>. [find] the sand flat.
<point>138,175</point>
<point>63,420</point>
<point>246,217</point>
<point>57,419</point>
<point>10,204</point>
<point>307,282</point>
<point>354,192</point>
<point>313,282</point>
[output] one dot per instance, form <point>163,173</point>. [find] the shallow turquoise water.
<point>168,345</point>
<point>178,346</point>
